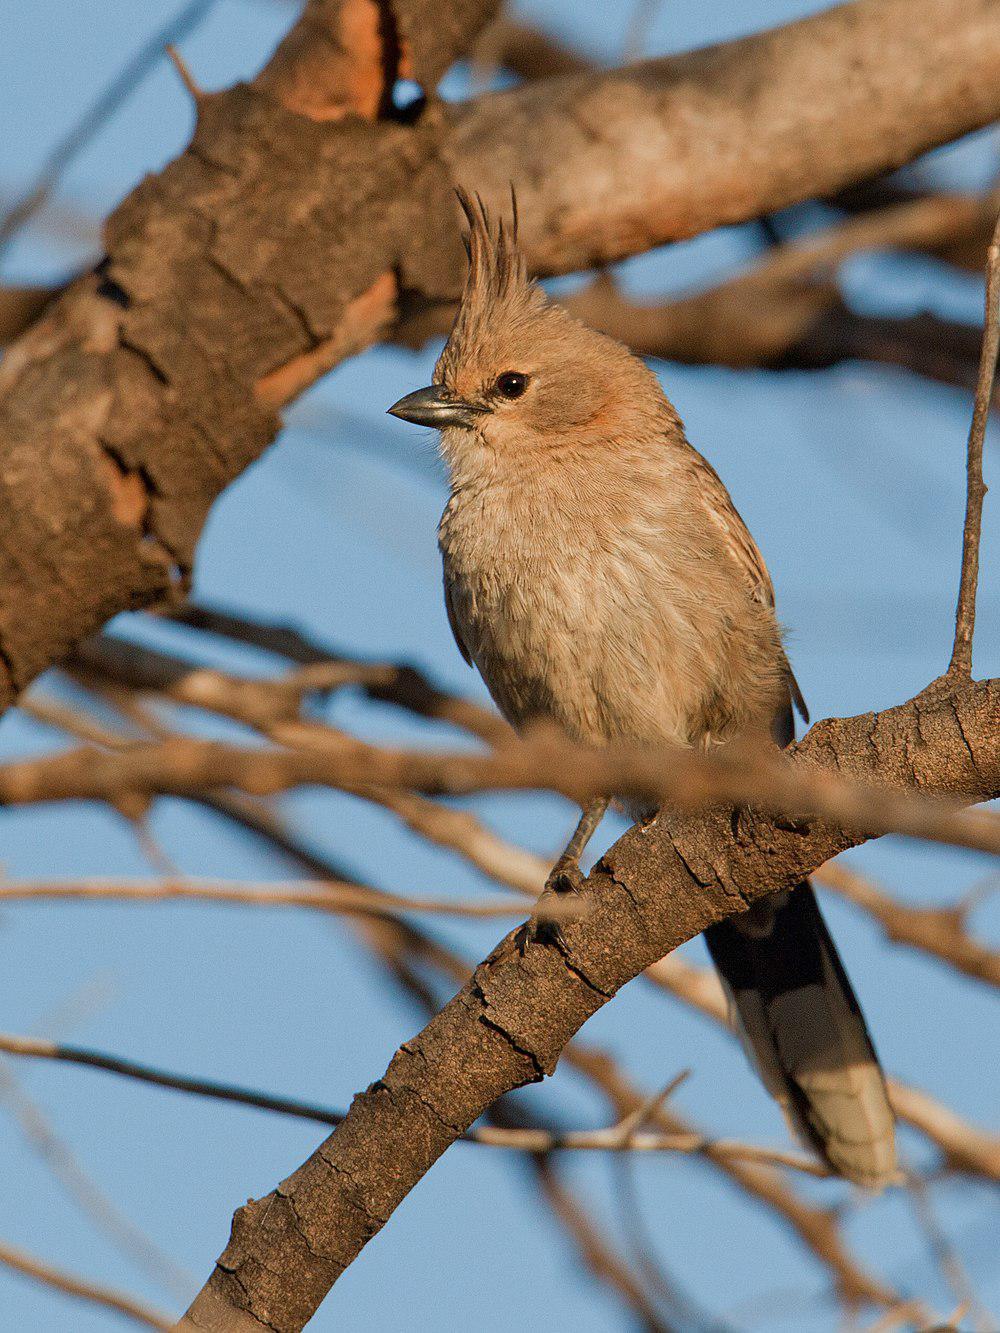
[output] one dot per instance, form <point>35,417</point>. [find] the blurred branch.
<point>817,1228</point>
<point>527,51</point>
<point>964,1146</point>
<point>316,896</point>
<point>104,1214</point>
<point>787,785</point>
<point>271,705</point>
<point>399,684</point>
<point>595,1251</point>
<point>92,1292</point>
<point>946,1256</point>
<point>20,307</point>
<point>939,931</point>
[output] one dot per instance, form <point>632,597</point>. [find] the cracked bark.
<point>295,224</point>
<point>659,885</point>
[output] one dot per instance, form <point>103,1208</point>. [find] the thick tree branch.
<point>659,885</point>
<point>150,384</point>
<point>672,147</point>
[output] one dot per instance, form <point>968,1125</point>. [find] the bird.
<point>599,576</point>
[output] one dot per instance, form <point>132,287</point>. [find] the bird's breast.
<point>572,623</point>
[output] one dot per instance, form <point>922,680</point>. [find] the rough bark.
<point>306,211</point>
<point>660,885</point>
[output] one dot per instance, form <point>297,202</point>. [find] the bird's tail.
<point>804,1030</point>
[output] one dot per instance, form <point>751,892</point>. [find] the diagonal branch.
<point>659,885</point>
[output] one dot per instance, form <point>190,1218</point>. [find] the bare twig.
<point>312,895</point>
<point>603,1262</point>
<point>965,1147</point>
<point>40,1048</point>
<point>945,1255</point>
<point>817,1228</point>
<point>184,73</point>
<point>96,1294</point>
<point>621,1137</point>
<point>402,685</point>
<point>733,775</point>
<point>965,614</point>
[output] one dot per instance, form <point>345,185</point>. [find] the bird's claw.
<point>541,929</point>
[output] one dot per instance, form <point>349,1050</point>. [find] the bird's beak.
<point>435,406</point>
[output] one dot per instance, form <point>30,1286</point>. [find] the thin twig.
<point>529,1139</point>
<point>39,1048</point>
<point>689,779</point>
<point>184,73</point>
<point>313,895</point>
<point>965,614</point>
<point>273,706</point>
<point>94,1292</point>
<point>945,1255</point>
<point>398,684</point>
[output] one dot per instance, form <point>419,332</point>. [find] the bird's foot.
<point>543,927</point>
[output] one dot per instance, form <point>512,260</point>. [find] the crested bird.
<point>598,575</point>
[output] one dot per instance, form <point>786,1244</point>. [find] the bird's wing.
<point>741,546</point>
<point>449,606</point>
<point>735,534</point>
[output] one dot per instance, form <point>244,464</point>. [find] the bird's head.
<point>518,374</point>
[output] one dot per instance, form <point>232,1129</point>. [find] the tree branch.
<point>965,614</point>
<point>938,931</point>
<point>660,884</point>
<point>152,383</point>
<point>71,1285</point>
<point>671,147</point>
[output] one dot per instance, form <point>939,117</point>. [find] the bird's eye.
<point>511,384</point>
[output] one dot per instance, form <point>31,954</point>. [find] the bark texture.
<point>661,884</point>
<point>307,212</point>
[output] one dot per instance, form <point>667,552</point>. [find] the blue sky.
<point>852,481</point>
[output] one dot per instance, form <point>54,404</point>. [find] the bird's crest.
<point>496,266</point>
<point>499,300</point>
